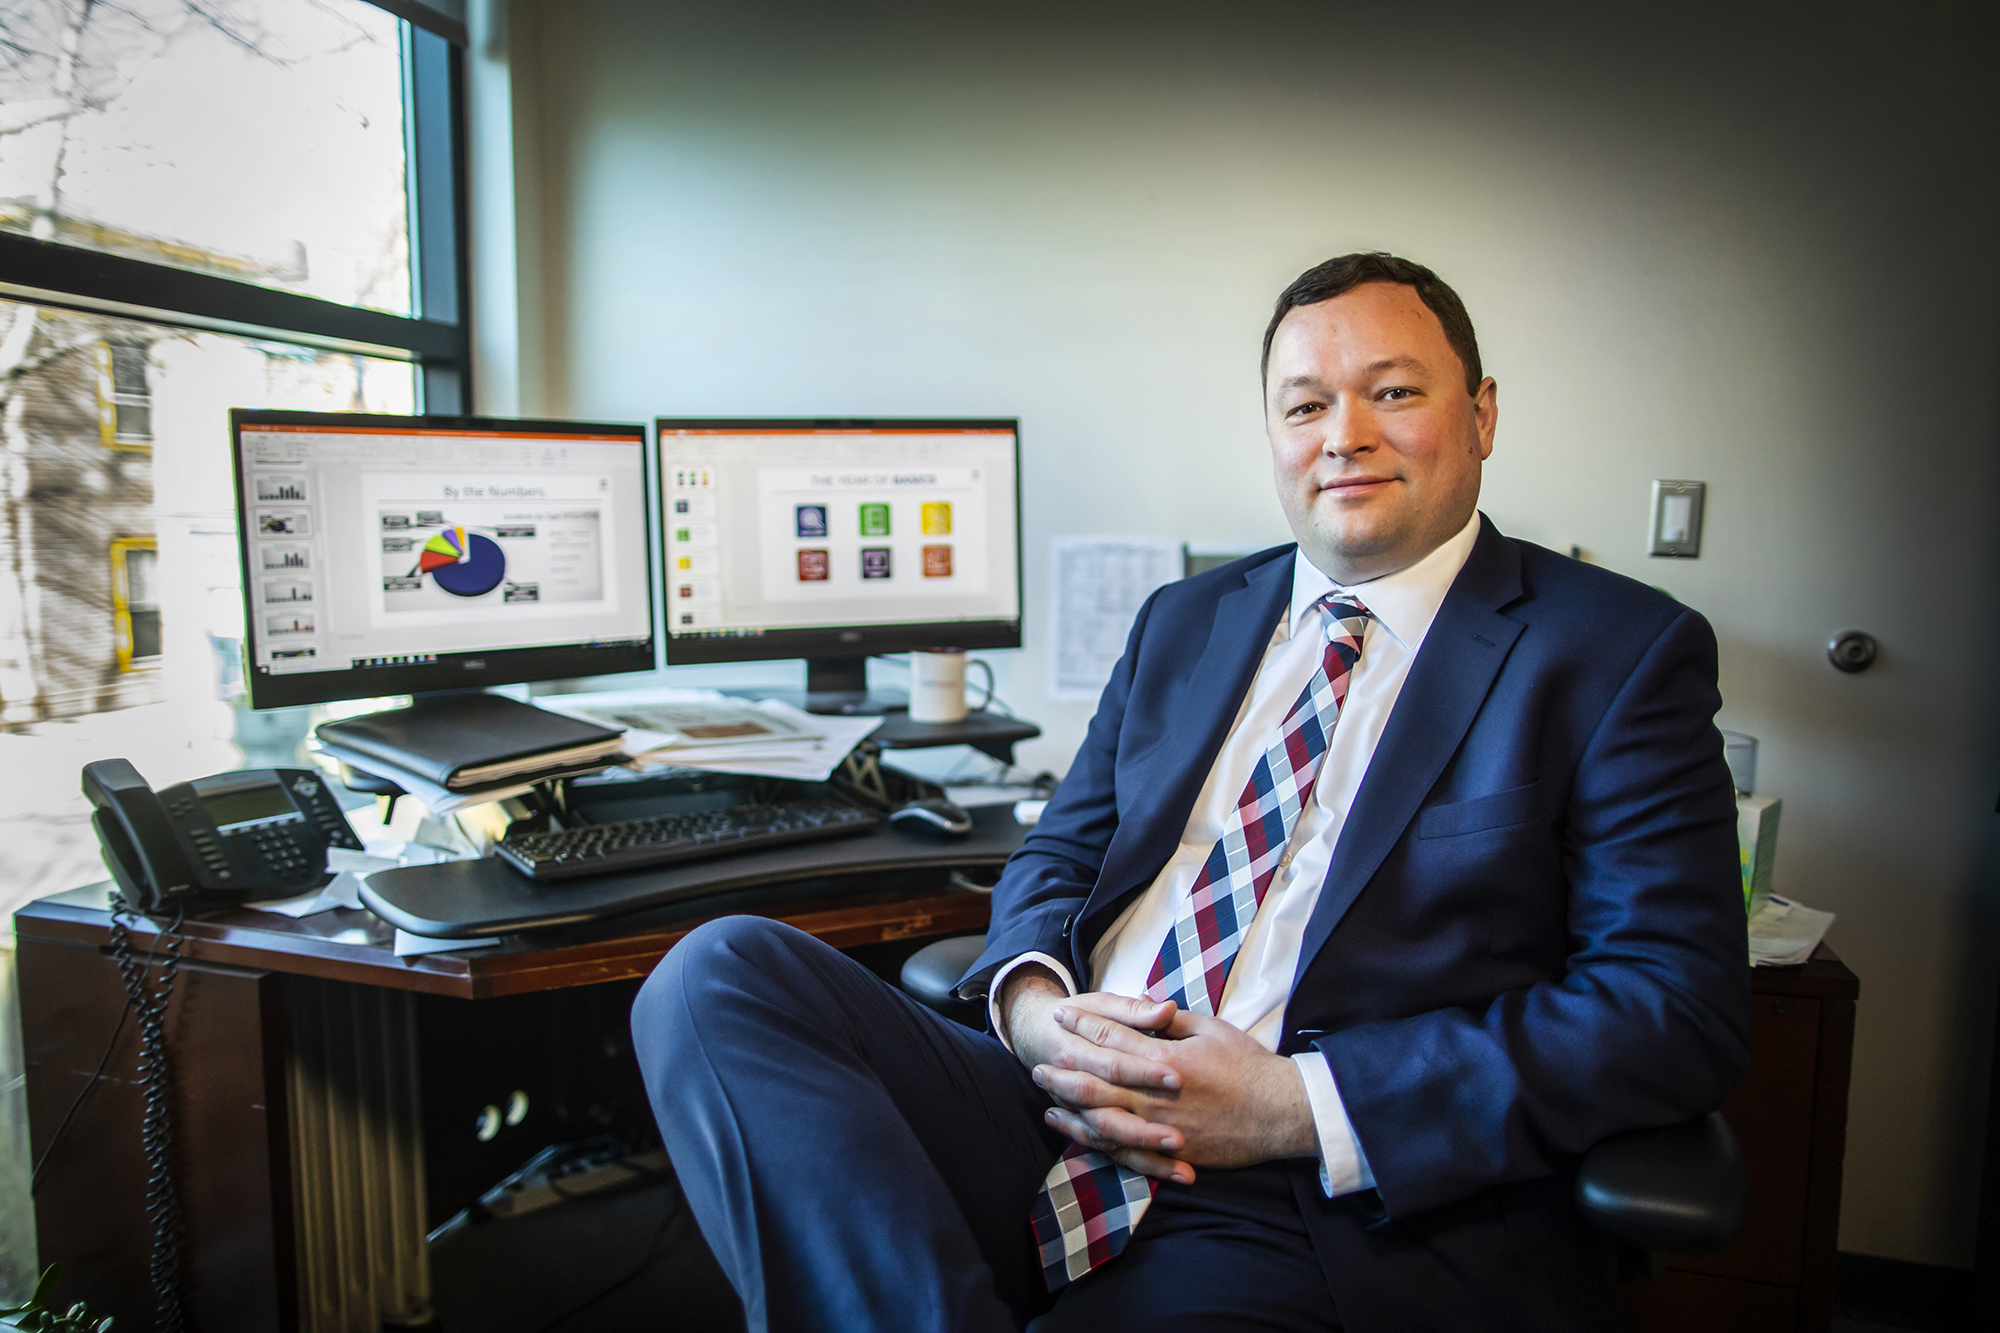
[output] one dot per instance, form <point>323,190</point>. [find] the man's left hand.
<point>1238,1104</point>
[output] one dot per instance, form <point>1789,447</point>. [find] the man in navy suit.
<point>1397,868</point>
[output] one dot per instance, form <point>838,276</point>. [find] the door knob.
<point>1852,651</point>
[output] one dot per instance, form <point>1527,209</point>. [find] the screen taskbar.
<point>760,631</point>
<point>433,659</point>
<point>423,673</point>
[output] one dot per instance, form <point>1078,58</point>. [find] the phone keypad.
<point>279,851</point>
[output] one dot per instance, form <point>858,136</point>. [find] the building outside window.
<point>236,203</point>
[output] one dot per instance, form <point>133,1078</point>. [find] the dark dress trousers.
<point>1531,936</point>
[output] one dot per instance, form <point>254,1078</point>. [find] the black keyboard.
<point>632,844</point>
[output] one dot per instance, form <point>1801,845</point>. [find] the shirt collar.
<point>1404,602</point>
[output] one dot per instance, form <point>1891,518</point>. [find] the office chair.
<point>1678,1189</point>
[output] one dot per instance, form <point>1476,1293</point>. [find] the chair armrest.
<point>1677,1189</point>
<point>930,973</point>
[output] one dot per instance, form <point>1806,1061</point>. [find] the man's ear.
<point>1486,413</point>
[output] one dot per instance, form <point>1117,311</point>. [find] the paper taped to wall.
<point>1099,583</point>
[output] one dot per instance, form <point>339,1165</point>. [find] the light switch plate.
<point>1676,525</point>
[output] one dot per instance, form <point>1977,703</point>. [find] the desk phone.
<point>228,838</point>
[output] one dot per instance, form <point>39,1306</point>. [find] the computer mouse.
<point>936,816</point>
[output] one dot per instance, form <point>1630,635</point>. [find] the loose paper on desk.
<point>709,722</point>
<point>1099,585</point>
<point>1784,933</point>
<point>815,746</point>
<point>350,868</point>
<point>408,945</point>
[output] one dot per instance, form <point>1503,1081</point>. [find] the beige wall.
<point>1740,248</point>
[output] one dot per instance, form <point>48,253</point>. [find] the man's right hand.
<point>1028,1003</point>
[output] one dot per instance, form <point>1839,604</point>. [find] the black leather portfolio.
<point>464,740</point>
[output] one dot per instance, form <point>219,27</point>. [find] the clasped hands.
<point>1156,1088</point>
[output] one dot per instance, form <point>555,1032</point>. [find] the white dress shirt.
<point>1260,981</point>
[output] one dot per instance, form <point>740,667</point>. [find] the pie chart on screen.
<point>463,563</point>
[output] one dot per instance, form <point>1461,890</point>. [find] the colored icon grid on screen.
<point>875,562</point>
<point>937,518</point>
<point>814,566</point>
<point>875,520</point>
<point>810,520</point>
<point>937,562</point>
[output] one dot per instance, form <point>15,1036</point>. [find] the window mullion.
<point>437,210</point>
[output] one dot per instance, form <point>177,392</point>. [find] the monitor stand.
<point>836,686</point>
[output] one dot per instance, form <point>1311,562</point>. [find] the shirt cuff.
<point>1343,1168</point>
<point>995,987</point>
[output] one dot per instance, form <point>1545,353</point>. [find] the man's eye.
<point>1397,395</point>
<point>1304,409</point>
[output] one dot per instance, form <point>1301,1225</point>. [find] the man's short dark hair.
<point>1323,282</point>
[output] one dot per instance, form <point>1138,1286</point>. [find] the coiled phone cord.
<point>156,1135</point>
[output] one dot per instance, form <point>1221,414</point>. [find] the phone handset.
<point>144,856</point>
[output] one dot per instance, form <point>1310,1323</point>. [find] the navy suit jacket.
<point>1531,935</point>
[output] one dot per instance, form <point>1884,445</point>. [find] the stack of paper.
<point>1784,933</point>
<point>707,730</point>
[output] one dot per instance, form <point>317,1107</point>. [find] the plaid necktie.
<point>1089,1205</point>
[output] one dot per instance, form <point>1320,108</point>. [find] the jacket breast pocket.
<point>1516,805</point>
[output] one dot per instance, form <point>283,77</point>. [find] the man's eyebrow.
<point>1395,363</point>
<point>1387,363</point>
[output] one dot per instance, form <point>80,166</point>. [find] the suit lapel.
<point>1213,694</point>
<point>1444,691</point>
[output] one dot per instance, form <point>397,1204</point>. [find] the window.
<point>204,204</point>
<point>135,603</point>
<point>124,407</point>
<point>257,141</point>
<point>235,203</point>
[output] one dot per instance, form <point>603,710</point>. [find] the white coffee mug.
<point>937,685</point>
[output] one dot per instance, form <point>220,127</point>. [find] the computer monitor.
<point>408,555</point>
<point>837,540</point>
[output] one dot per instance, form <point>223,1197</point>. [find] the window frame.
<point>124,640</point>
<point>110,398</point>
<point>436,339</point>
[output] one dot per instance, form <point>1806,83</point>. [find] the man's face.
<point>1376,444</point>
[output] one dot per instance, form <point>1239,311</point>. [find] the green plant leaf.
<point>47,1286</point>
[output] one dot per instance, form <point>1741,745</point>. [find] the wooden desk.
<point>1790,1116</point>
<point>325,1090</point>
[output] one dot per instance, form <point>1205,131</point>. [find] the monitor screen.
<point>400,555</point>
<point>838,539</point>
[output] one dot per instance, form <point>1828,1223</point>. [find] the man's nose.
<point>1350,429</point>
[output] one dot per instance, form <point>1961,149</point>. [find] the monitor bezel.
<point>852,641</point>
<point>504,666</point>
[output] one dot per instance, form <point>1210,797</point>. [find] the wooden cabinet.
<point>1790,1116</point>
